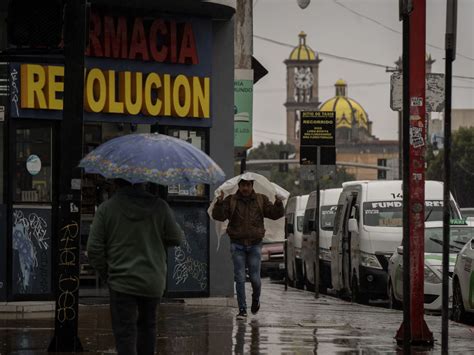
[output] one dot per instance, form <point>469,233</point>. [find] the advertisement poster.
<point>243,104</point>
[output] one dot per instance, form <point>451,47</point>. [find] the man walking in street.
<point>245,211</point>
<point>127,246</point>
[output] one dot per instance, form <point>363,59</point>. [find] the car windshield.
<point>459,236</point>
<point>299,223</point>
<point>327,217</point>
<point>390,213</point>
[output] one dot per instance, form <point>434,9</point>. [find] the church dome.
<point>347,110</point>
<point>302,51</point>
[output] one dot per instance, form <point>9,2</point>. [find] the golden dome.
<point>347,110</point>
<point>302,51</point>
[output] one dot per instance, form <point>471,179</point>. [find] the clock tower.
<point>302,94</point>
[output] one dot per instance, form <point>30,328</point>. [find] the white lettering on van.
<point>434,203</point>
<point>386,204</point>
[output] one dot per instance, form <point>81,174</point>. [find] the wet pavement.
<point>289,322</point>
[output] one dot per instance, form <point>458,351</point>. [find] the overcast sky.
<point>332,27</point>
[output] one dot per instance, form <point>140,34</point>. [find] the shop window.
<point>33,165</point>
<point>198,139</point>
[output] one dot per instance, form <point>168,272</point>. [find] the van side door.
<point>350,211</point>
<point>336,247</point>
<point>353,237</point>
<point>308,241</point>
<point>337,257</point>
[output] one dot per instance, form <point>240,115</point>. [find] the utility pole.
<point>420,334</point>
<point>450,47</point>
<point>403,334</point>
<point>67,254</point>
<point>243,50</point>
<point>414,143</point>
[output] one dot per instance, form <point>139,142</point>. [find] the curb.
<point>49,306</point>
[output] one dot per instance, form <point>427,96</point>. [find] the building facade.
<point>149,67</point>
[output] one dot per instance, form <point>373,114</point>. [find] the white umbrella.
<point>274,230</point>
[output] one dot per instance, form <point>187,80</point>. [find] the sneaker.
<point>255,306</point>
<point>242,314</point>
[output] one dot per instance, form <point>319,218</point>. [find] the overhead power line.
<point>326,54</point>
<point>359,61</point>
<point>390,28</point>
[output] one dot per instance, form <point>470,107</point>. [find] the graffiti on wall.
<point>186,266</point>
<point>31,242</point>
<point>188,263</point>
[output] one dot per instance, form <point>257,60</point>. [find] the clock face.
<point>303,78</point>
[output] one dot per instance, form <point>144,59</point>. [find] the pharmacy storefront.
<point>145,71</point>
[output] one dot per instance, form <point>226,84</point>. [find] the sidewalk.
<point>288,322</point>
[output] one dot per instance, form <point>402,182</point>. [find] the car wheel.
<point>393,303</point>
<point>459,313</point>
<point>299,280</point>
<point>356,295</point>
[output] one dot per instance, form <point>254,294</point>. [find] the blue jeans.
<point>133,323</point>
<point>250,257</point>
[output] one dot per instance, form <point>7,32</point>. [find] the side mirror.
<point>290,228</point>
<point>352,225</point>
<point>400,250</point>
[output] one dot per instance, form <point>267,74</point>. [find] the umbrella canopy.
<point>274,230</point>
<point>152,157</point>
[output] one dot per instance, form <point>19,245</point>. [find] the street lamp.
<point>303,3</point>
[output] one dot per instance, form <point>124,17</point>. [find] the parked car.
<point>294,214</point>
<point>463,284</point>
<point>327,211</point>
<point>459,235</point>
<point>368,229</point>
<point>273,263</point>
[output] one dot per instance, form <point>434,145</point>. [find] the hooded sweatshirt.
<point>128,240</point>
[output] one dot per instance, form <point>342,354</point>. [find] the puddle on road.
<point>252,336</point>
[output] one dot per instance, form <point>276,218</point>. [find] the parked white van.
<point>294,214</point>
<point>367,231</point>
<point>327,211</point>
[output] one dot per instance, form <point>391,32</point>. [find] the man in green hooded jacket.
<point>127,247</point>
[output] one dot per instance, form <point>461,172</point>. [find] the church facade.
<point>356,146</point>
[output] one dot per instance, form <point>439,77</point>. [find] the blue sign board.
<point>196,76</point>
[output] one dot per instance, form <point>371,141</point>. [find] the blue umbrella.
<point>152,157</point>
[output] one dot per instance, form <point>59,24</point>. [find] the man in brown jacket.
<point>245,211</point>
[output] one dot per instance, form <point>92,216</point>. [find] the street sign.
<point>243,103</point>
<point>434,86</point>
<point>318,129</point>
